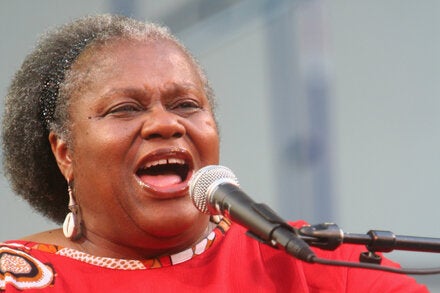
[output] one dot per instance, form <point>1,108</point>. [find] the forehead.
<point>128,59</point>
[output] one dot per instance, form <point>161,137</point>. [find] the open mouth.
<point>165,172</point>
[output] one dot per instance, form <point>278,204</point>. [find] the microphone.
<point>215,190</point>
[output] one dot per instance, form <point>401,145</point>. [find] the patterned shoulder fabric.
<point>21,270</point>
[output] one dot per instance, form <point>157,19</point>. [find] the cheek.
<point>100,153</point>
<point>98,148</point>
<point>207,141</point>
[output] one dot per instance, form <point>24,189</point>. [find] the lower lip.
<point>165,192</point>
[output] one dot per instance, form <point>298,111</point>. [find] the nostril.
<point>154,135</point>
<point>177,135</point>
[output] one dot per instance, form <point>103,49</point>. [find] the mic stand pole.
<point>329,236</point>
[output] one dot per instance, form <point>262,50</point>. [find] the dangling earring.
<point>72,223</point>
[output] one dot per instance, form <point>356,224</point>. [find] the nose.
<point>160,123</point>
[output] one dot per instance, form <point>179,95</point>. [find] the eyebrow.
<point>174,87</point>
<point>168,89</point>
<point>130,91</point>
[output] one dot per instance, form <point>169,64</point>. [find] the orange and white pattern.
<point>21,269</point>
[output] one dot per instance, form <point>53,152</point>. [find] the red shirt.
<point>230,262</point>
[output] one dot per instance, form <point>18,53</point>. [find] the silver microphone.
<point>215,190</point>
<point>203,183</point>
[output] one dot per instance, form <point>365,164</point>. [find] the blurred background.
<point>329,110</point>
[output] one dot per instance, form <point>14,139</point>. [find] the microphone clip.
<point>326,236</point>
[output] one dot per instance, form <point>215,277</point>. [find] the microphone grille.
<point>202,180</point>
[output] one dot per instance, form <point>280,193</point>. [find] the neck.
<point>96,245</point>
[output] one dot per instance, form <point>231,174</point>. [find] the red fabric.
<point>234,263</point>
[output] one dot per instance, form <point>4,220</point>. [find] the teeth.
<point>165,161</point>
<point>176,161</point>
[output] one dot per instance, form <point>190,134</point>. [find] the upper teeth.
<point>164,162</point>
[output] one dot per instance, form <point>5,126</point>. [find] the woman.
<point>104,125</point>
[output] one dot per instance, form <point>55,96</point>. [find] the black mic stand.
<point>329,236</point>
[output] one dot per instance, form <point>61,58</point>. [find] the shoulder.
<point>20,269</point>
<point>51,236</point>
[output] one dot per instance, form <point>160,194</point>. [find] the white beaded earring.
<point>72,223</point>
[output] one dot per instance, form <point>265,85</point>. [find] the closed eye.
<point>188,104</point>
<point>124,109</point>
<point>185,106</point>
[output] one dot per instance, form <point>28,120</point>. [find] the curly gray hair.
<point>38,100</point>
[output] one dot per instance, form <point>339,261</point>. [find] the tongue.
<point>161,180</point>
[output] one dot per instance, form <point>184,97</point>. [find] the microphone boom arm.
<point>329,236</point>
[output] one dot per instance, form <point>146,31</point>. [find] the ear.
<point>62,155</point>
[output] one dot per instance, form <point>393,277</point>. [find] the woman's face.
<point>141,125</point>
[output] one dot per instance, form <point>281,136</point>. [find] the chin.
<point>177,226</point>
